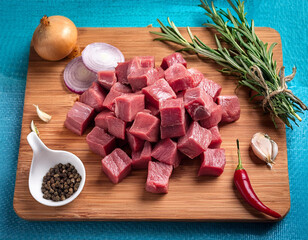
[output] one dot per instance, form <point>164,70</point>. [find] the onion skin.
<point>55,38</point>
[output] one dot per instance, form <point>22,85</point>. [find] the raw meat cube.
<point>146,127</point>
<point>172,59</point>
<point>147,61</point>
<point>230,108</point>
<point>107,79</point>
<point>216,138</point>
<point>101,120</point>
<point>156,74</point>
<point>172,131</point>
<point>214,119</point>
<point>116,165</point>
<point>127,106</point>
<point>178,77</point>
<point>100,142</point>
<point>172,112</point>
<point>134,64</point>
<point>213,162</point>
<point>142,77</point>
<point>78,117</point>
<point>198,103</point>
<point>116,127</point>
<point>140,62</point>
<point>166,151</point>
<point>196,140</point>
<point>211,88</point>
<point>116,90</point>
<point>136,144</point>
<point>142,158</point>
<point>157,92</point>
<point>139,78</point>
<point>94,96</point>
<point>158,177</point>
<point>121,72</point>
<point>197,77</point>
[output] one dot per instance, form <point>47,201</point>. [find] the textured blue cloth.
<point>18,20</point>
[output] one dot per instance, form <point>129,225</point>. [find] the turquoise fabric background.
<point>18,20</point>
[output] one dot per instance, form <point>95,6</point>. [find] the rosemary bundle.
<point>246,56</point>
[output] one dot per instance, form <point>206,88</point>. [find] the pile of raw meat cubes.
<point>164,114</point>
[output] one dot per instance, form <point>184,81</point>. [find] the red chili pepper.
<point>242,183</point>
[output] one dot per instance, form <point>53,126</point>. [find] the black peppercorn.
<point>60,182</point>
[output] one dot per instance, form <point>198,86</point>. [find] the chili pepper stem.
<point>239,166</point>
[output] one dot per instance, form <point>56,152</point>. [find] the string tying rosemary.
<point>247,57</point>
<point>283,88</point>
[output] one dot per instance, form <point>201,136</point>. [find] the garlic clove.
<point>258,152</point>
<point>261,146</point>
<point>42,115</point>
<point>274,150</point>
<point>34,128</point>
<point>264,148</point>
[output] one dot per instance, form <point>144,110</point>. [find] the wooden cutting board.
<point>190,197</point>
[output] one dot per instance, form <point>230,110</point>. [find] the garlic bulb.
<point>264,148</point>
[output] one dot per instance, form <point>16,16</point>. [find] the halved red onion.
<point>101,57</point>
<point>77,77</point>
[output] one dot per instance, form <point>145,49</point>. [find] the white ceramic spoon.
<point>44,159</point>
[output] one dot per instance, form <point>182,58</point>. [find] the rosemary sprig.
<point>247,57</point>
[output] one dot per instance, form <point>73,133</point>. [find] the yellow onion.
<point>55,37</point>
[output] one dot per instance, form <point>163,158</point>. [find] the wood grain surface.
<point>190,197</point>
